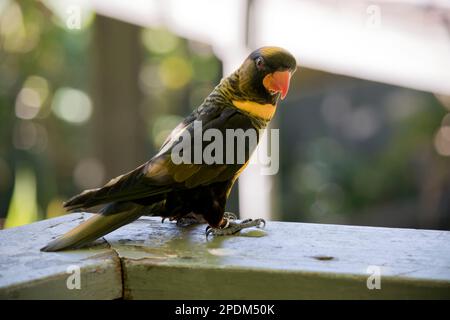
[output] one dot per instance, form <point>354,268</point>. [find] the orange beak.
<point>278,82</point>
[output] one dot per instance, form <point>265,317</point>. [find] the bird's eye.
<point>259,63</point>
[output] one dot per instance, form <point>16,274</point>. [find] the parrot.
<point>190,191</point>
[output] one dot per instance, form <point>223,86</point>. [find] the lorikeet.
<point>246,99</point>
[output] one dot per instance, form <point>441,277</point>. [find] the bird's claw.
<point>230,216</point>
<point>234,227</point>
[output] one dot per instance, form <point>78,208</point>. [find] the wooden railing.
<point>151,260</point>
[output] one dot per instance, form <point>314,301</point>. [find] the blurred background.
<point>90,89</point>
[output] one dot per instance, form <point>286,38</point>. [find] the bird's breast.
<point>262,111</point>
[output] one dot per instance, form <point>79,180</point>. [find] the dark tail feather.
<point>81,201</point>
<point>114,191</point>
<point>93,228</point>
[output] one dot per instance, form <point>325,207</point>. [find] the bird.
<point>190,191</point>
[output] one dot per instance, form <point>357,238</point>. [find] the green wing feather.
<point>160,175</point>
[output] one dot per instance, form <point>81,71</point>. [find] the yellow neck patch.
<point>264,111</point>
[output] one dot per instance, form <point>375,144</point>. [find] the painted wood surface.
<point>28,273</point>
<point>148,259</point>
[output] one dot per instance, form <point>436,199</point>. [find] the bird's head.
<point>266,74</point>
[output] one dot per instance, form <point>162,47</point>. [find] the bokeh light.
<point>442,141</point>
<point>89,173</point>
<point>31,97</point>
<point>15,35</point>
<point>23,209</point>
<point>362,123</point>
<point>445,100</point>
<point>159,41</point>
<point>149,79</point>
<point>28,103</point>
<point>72,105</point>
<point>175,72</point>
<point>402,104</point>
<point>335,109</point>
<point>201,49</point>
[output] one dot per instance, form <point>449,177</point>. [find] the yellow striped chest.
<point>263,111</point>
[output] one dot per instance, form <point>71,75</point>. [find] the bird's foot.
<point>234,227</point>
<point>187,221</point>
<point>192,218</point>
<point>230,216</point>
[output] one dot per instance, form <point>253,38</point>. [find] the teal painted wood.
<point>27,273</point>
<point>282,261</point>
